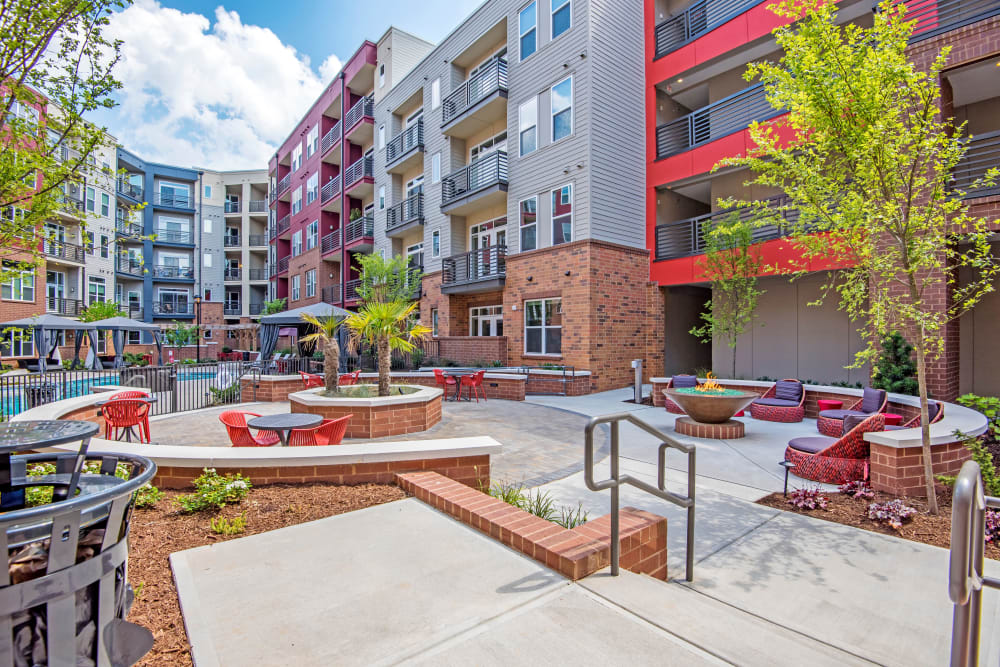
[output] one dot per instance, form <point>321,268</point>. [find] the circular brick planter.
<point>377,417</point>
<point>727,430</point>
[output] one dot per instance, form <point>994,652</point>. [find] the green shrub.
<point>235,526</point>
<point>230,394</point>
<point>189,362</point>
<point>226,349</point>
<point>147,496</point>
<point>135,359</point>
<point>895,370</point>
<point>989,406</point>
<point>417,358</point>
<point>214,491</point>
<point>987,468</point>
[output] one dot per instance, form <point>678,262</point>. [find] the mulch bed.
<point>160,531</point>
<point>922,527</point>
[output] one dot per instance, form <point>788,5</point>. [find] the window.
<point>528,216</point>
<point>297,243</point>
<point>95,290</point>
<point>208,192</point>
<point>105,246</point>
<point>206,225</point>
<point>296,157</point>
<point>207,261</point>
<point>527,21</point>
<point>436,243</point>
<point>562,17</point>
<point>381,136</point>
<point>311,282</point>
<point>312,234</point>
<point>24,111</point>
<point>486,321</point>
<point>381,197</point>
<point>562,109</point>
<point>173,230</point>
<point>381,75</point>
<point>436,168</point>
<point>20,287</point>
<point>415,256</point>
<point>543,326</point>
<point>89,242</point>
<point>435,93</point>
<point>562,215</point>
<point>312,140</point>
<point>18,343</point>
<point>491,145</point>
<point>105,204</point>
<point>434,321</point>
<point>527,125</point>
<point>296,280</point>
<point>134,337</point>
<point>297,200</point>
<point>91,198</point>
<point>175,194</point>
<point>312,188</point>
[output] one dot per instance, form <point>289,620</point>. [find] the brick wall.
<point>900,471</point>
<point>473,349</point>
<point>15,310</point>
<point>379,421</point>
<point>278,389</point>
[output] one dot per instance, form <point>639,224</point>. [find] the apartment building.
<point>698,109</point>
<point>508,164</point>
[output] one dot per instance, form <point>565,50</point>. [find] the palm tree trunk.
<point>384,364</point>
<point>331,365</point>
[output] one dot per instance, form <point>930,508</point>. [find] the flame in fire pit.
<point>710,385</point>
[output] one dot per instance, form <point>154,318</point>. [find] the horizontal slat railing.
<point>360,169</point>
<point>474,266</point>
<point>330,139</point>
<point>983,153</point>
<point>935,17</point>
<point>716,120</point>
<point>61,306</point>
<point>258,206</point>
<point>487,81</point>
<point>696,20</point>
<point>361,228</point>
<point>71,252</point>
<point>351,290</point>
<point>409,210</point>
<point>283,264</point>
<point>173,272</point>
<point>330,189</point>
<point>173,199</point>
<point>330,242</point>
<point>331,294</point>
<point>412,138</point>
<point>363,108</point>
<point>484,172</point>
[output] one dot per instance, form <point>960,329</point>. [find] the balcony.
<point>281,188</point>
<point>166,272</point>
<point>71,203</point>
<point>257,274</point>
<point>482,270</point>
<point>257,240</point>
<point>330,243</point>
<point>232,309</point>
<point>281,227</point>
<point>728,115</point>
<point>983,153</point>
<point>258,206</point>
<point>125,228</point>
<point>359,177</point>
<point>359,120</point>
<point>685,238</point>
<point>233,275</point>
<point>331,294</point>
<point>699,18</point>
<point>360,231</point>
<point>232,207</point>
<point>176,237</point>
<point>256,308</point>
<point>331,139</point>
<point>935,17</point>
<point>173,309</point>
<point>329,191</point>
<point>405,150</point>
<point>129,266</point>
<point>134,311</point>
<point>272,270</point>
<point>61,306</point>
<point>64,252</point>
<point>173,200</point>
<point>231,241</point>
<point>283,265</point>
<point>129,190</point>
<point>351,290</point>
<point>482,183</point>
<point>404,216</point>
<point>478,102</point>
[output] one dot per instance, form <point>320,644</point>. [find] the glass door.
<point>55,289</point>
<point>486,321</point>
<point>487,238</point>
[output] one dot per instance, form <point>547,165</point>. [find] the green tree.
<point>868,167</point>
<point>100,310</point>
<point>895,370</point>
<point>55,67</point>
<point>325,334</point>
<point>274,306</point>
<point>732,263</point>
<point>388,325</point>
<point>180,335</point>
<point>384,280</point>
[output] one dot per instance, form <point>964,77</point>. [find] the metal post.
<point>615,519</point>
<point>637,387</point>
<point>197,328</point>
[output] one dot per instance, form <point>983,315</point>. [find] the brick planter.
<point>378,417</point>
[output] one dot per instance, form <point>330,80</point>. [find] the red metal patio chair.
<point>125,413</point>
<point>132,393</point>
<point>239,432</point>
<point>311,380</point>
<point>783,402</point>
<point>330,432</point>
<point>345,380</point>
<point>473,382</point>
<point>834,460</point>
<point>443,380</point>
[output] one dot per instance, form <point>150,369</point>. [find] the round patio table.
<point>284,424</point>
<point>28,435</point>
<point>458,374</point>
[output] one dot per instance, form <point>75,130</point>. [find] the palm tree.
<point>389,325</point>
<point>325,334</point>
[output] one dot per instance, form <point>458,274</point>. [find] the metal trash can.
<point>65,593</point>
<point>39,394</point>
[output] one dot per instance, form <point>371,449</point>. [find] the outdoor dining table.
<point>284,424</point>
<point>29,435</point>
<point>128,431</point>
<point>458,374</point>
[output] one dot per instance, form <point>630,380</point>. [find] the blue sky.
<point>220,85</point>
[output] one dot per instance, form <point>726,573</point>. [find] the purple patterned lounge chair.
<point>831,422</point>
<point>678,382</point>
<point>835,460</point>
<point>934,410</point>
<point>781,403</point>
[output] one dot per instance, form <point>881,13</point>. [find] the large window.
<point>312,140</point>
<point>434,322</point>
<point>312,234</point>
<point>105,246</point>
<point>297,243</point>
<point>17,343</point>
<point>91,198</point>
<point>543,326</point>
<point>562,17</point>
<point>95,290</point>
<point>495,143</point>
<point>105,204</point>
<point>311,282</point>
<point>296,157</point>
<point>436,243</point>
<point>435,93</point>
<point>562,109</point>
<point>562,215</point>
<point>296,287</point>
<point>175,194</point>
<point>527,22</point>
<point>527,125</point>
<point>19,288</point>
<point>381,136</point>
<point>312,188</point>
<point>381,197</point>
<point>528,222</point>
<point>297,200</point>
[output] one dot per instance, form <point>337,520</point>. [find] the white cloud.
<point>219,95</point>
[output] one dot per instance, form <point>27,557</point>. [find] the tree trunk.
<point>925,427</point>
<point>384,365</point>
<point>733,376</point>
<point>331,365</point>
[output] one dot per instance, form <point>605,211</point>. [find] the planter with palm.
<point>388,325</point>
<point>325,335</point>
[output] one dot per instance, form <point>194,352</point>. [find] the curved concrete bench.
<point>465,460</point>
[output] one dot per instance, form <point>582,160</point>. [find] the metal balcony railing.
<point>330,189</point>
<point>256,308</point>
<point>283,264</point>
<point>361,228</point>
<point>935,17</point>
<point>685,238</point>
<point>474,266</point>
<point>172,236</point>
<point>409,210</point>
<point>697,19</point>
<point>61,306</point>
<point>232,308</point>
<point>983,153</point>
<point>331,294</point>
<point>134,311</point>
<point>173,199</point>
<point>70,252</point>
<point>410,139</point>
<point>257,240</point>
<point>173,272</point>
<point>330,139</point>
<point>363,108</point>
<point>484,83</point>
<point>282,226</point>
<point>330,242</point>
<point>125,228</point>
<point>233,207</point>
<point>231,241</point>
<point>272,270</point>
<point>284,184</point>
<point>484,172</point>
<point>258,206</point>
<point>257,274</point>
<point>173,308</point>
<point>351,290</point>
<point>357,171</point>
<point>232,274</point>
<point>132,267</point>
<point>716,120</point>
<point>130,190</point>
<point>70,203</point>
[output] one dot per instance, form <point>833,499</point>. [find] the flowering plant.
<point>857,489</point>
<point>807,499</point>
<point>893,512</point>
<point>214,491</point>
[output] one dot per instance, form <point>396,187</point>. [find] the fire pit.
<point>710,409</point>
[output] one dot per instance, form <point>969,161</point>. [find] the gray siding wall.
<point>211,244</point>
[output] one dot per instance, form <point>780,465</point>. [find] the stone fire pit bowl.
<point>708,408</point>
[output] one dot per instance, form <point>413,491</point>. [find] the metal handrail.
<point>258,206</point>
<point>361,168</point>
<point>935,17</point>
<point>359,228</point>
<point>412,138</point>
<point>965,567</point>
<point>982,154</point>
<point>330,242</point>
<point>617,480</point>
<point>363,108</point>
<point>485,82</point>
<point>330,188</point>
<point>284,184</point>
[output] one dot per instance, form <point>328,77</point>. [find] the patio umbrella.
<point>46,330</point>
<point>118,325</point>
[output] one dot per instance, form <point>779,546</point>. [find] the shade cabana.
<point>271,325</point>
<point>118,325</point>
<point>46,328</point>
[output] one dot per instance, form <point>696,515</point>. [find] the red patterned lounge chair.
<point>934,410</point>
<point>678,382</point>
<point>781,403</point>
<point>835,460</point>
<point>831,422</point>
